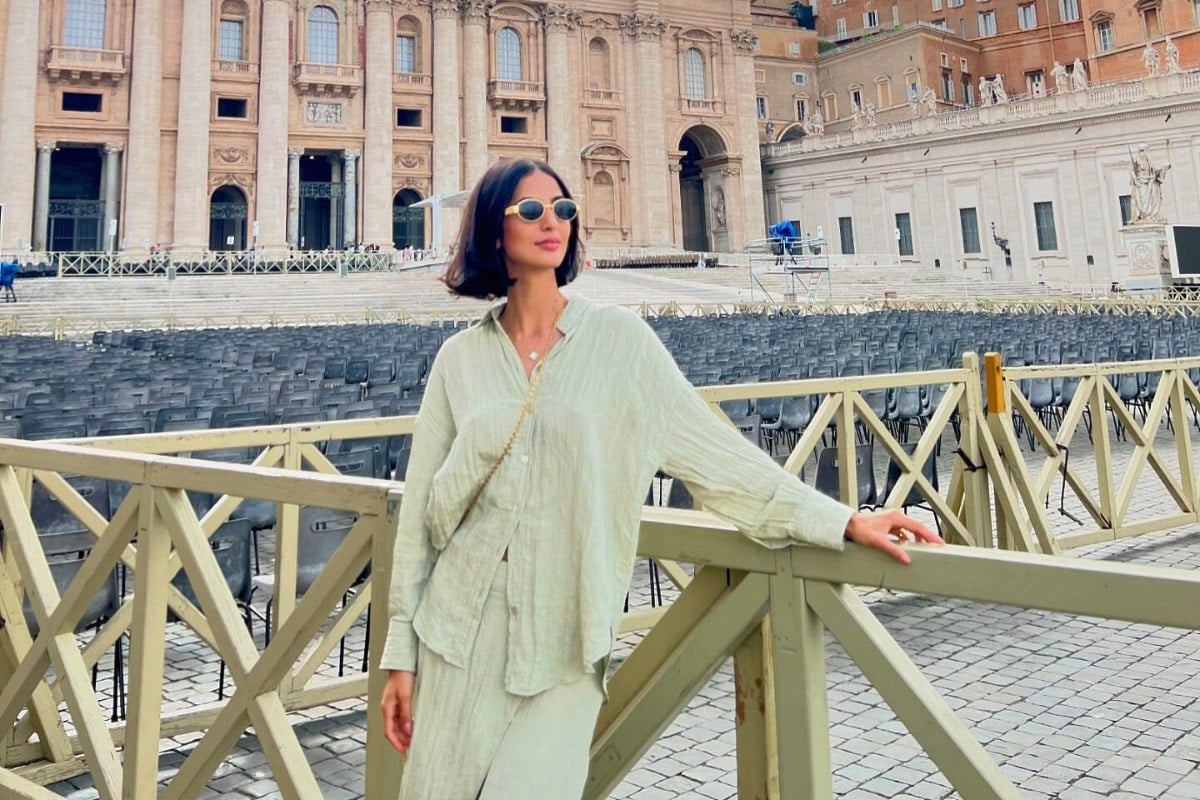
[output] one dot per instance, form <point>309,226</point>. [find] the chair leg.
<point>367,642</point>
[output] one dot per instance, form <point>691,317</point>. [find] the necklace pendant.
<point>533,355</point>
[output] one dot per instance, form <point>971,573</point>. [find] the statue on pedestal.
<point>986,96</point>
<point>1062,79</point>
<point>856,114</point>
<point>1172,51</point>
<point>869,113</point>
<point>1145,185</point>
<point>929,101</point>
<point>1150,59</point>
<point>1079,80</point>
<point>814,123</point>
<point>998,90</point>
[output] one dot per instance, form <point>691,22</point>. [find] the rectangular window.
<point>232,40</point>
<point>1104,36</point>
<point>231,107</point>
<point>940,22</point>
<point>846,232</point>
<point>406,54</point>
<point>987,23</point>
<point>937,5</point>
<point>800,78</point>
<point>968,87</point>
<point>856,97</point>
<point>945,57</point>
<point>1027,16</point>
<point>408,117</point>
<point>801,110</point>
<point>841,28</point>
<point>1125,202</point>
<point>1069,10</point>
<point>84,24</point>
<point>914,90</point>
<point>85,102</point>
<point>1035,83</point>
<point>947,86</point>
<point>955,3</point>
<point>760,104</point>
<point>896,16</point>
<point>760,76</point>
<point>1043,219</point>
<point>871,19</point>
<point>968,220</point>
<point>904,240</point>
<point>516,125</point>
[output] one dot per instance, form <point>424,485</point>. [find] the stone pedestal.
<point>1148,266</point>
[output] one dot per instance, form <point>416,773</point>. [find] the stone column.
<point>646,30</point>
<point>41,196</point>
<point>350,206</point>
<point>191,148</point>
<point>377,146</point>
<point>335,178</point>
<point>293,197</point>
<point>754,225</point>
<point>143,171</point>
<point>475,106</point>
<point>19,91</point>
<point>273,199</point>
<point>112,192</point>
<point>562,118</point>
<point>447,161</point>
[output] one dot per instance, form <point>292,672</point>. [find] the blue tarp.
<point>782,230</point>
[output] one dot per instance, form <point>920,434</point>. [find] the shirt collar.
<point>568,321</point>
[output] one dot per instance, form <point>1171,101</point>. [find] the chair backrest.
<point>51,516</point>
<point>914,497</point>
<point>679,496</point>
<point>828,480</point>
<point>322,531</point>
<point>231,545</point>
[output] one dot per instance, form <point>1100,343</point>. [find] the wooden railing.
<point>766,608</point>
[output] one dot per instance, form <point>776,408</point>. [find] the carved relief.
<point>645,27</point>
<point>561,18</point>
<point>321,113</point>
<point>476,11</point>
<point>745,41</point>
<point>445,8</point>
<point>602,128</point>
<point>422,186</point>
<point>231,155</point>
<point>409,161</point>
<point>242,180</point>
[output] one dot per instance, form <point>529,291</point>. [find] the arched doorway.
<point>408,224</point>
<point>793,133</point>
<point>702,202</point>
<point>76,212</point>
<point>227,213</point>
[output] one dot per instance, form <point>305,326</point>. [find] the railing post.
<point>287,533</point>
<point>384,766</point>
<point>977,507</point>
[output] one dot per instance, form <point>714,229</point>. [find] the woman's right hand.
<point>397,709</point>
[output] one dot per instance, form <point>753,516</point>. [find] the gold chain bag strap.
<point>533,387</point>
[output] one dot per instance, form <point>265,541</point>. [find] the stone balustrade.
<point>85,64</point>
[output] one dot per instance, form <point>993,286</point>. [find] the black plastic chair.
<point>828,480</point>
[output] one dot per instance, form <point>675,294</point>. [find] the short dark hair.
<point>477,267</point>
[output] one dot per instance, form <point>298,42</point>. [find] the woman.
<point>540,429</point>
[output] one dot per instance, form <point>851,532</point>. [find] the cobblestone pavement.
<point>1070,707</point>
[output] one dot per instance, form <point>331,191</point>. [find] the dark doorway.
<point>76,210</point>
<point>691,196</point>
<point>227,213</point>
<point>321,199</point>
<point>408,224</point>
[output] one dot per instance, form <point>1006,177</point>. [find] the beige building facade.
<point>314,124</point>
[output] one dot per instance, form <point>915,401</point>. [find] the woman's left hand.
<point>887,530</point>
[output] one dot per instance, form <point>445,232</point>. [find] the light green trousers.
<point>472,739</point>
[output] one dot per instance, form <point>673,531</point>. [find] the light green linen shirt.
<point>612,408</point>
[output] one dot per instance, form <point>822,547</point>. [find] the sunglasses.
<point>531,209</point>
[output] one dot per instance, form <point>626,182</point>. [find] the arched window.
<point>695,81</point>
<point>84,24</point>
<point>407,57</point>
<point>322,35</point>
<point>599,64</point>
<point>508,55</point>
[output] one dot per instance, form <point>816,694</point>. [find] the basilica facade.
<point>227,124</point>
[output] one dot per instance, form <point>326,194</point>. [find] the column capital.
<point>445,9</point>
<point>561,18</point>
<point>379,5</point>
<point>644,27</point>
<point>351,155</point>
<point>46,146</point>
<point>744,40</point>
<point>475,12</point>
<point>113,148</point>
<point>294,153</point>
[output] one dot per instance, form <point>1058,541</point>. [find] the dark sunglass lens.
<point>565,209</point>
<point>531,210</point>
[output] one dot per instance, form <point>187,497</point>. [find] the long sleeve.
<point>731,477</point>
<point>413,555</point>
